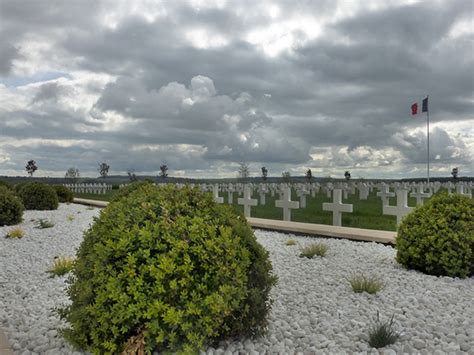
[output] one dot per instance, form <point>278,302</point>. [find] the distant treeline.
<point>122,179</point>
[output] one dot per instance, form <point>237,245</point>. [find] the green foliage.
<point>382,334</point>
<point>290,242</point>
<point>437,238</point>
<point>64,194</point>
<point>309,251</point>
<point>38,196</point>
<point>130,188</point>
<point>43,224</point>
<point>70,217</point>
<point>361,283</point>
<point>11,207</point>
<point>18,187</point>
<point>6,184</point>
<point>15,233</point>
<point>61,266</point>
<point>169,265</point>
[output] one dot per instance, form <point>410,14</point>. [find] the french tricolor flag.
<point>424,106</point>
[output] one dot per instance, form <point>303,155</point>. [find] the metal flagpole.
<point>428,135</point>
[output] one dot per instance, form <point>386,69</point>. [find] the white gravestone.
<point>385,194</point>
<point>230,194</point>
<point>247,201</point>
<point>363,192</point>
<point>420,195</point>
<point>302,195</point>
<point>401,209</point>
<point>337,207</point>
<point>262,190</point>
<point>287,204</point>
<point>215,194</point>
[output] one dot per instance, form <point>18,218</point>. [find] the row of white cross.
<point>399,210</point>
<point>99,189</point>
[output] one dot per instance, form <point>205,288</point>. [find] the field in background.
<point>367,213</point>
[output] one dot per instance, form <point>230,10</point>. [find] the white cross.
<point>363,192</point>
<point>215,194</point>
<point>337,207</point>
<point>384,194</point>
<point>460,190</point>
<point>302,195</point>
<point>247,201</point>
<point>262,191</point>
<point>401,209</point>
<point>230,194</point>
<point>420,195</point>
<point>286,203</point>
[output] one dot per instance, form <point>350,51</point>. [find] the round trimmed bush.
<point>38,196</point>
<point>64,194</point>
<point>171,267</point>
<point>20,186</point>
<point>437,238</point>
<point>11,208</point>
<point>129,188</point>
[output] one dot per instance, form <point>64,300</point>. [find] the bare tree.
<point>286,176</point>
<point>309,175</point>
<point>264,173</point>
<point>244,172</point>
<point>163,171</point>
<point>103,169</point>
<point>347,175</point>
<point>455,173</point>
<point>31,167</point>
<point>131,175</point>
<point>72,174</point>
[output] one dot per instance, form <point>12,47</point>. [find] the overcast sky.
<point>204,85</point>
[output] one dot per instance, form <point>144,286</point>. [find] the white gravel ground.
<point>314,311</point>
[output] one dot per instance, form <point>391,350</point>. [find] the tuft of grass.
<point>290,242</point>
<point>44,223</point>
<point>311,250</point>
<point>382,334</point>
<point>70,218</point>
<point>15,233</point>
<point>360,284</point>
<point>61,266</point>
<point>90,208</point>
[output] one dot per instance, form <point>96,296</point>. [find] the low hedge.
<point>63,193</point>
<point>11,207</point>
<point>38,196</point>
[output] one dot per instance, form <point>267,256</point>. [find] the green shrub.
<point>18,187</point>
<point>7,185</point>
<point>360,283</point>
<point>38,196</point>
<point>130,188</point>
<point>168,266</point>
<point>15,233</point>
<point>43,224</point>
<point>11,207</point>
<point>64,194</point>
<point>309,251</point>
<point>437,238</point>
<point>382,334</point>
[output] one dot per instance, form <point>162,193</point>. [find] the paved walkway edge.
<point>4,346</point>
<point>367,235</point>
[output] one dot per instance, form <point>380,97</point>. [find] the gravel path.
<point>315,310</point>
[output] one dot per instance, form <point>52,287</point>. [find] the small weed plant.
<point>44,223</point>
<point>361,283</point>
<point>309,251</point>
<point>15,233</point>
<point>382,334</point>
<point>290,242</point>
<point>70,218</point>
<point>61,266</point>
